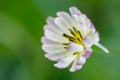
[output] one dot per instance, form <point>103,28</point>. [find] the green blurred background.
<point>21,27</point>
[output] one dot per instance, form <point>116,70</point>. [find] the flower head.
<point>68,39</point>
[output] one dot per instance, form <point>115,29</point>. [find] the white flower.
<point>68,39</point>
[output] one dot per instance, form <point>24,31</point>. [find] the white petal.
<point>53,48</point>
<point>52,28</point>
<point>88,41</point>
<point>87,53</point>
<point>102,47</point>
<point>90,25</point>
<point>60,23</point>
<point>66,18</point>
<point>74,47</point>
<point>78,63</point>
<point>81,24</point>
<point>45,40</point>
<point>55,37</point>
<point>96,37</point>
<point>64,62</point>
<point>61,65</point>
<point>56,56</point>
<point>74,11</point>
<point>75,68</point>
<point>50,21</point>
<point>81,60</point>
<point>90,29</point>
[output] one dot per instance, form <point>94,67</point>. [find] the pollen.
<point>76,36</point>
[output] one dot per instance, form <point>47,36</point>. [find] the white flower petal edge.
<point>78,63</point>
<point>68,39</point>
<point>102,47</point>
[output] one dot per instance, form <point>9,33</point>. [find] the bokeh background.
<point>21,27</point>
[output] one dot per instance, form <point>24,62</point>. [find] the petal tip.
<point>75,69</point>
<point>107,51</point>
<point>48,57</point>
<point>102,47</point>
<point>42,39</point>
<point>74,11</point>
<point>57,65</point>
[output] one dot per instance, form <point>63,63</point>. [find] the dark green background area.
<point>21,27</point>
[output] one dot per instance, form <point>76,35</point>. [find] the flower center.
<point>76,37</point>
